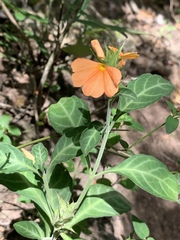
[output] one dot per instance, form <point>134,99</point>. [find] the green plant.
<point>50,184</point>
<point>7,129</point>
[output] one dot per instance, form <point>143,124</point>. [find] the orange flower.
<point>124,56</point>
<point>95,78</point>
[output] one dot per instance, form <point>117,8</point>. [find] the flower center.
<point>102,67</point>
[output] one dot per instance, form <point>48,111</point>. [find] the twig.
<point>9,107</point>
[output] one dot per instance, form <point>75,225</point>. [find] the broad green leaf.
<point>19,16</point>
<point>16,181</point>
<point>149,174</point>
<point>126,92</point>
<point>78,50</point>
<point>129,121</point>
<point>4,121</point>
<point>37,196</point>
<point>140,228</point>
<point>5,139</point>
<point>113,139</point>
<point>66,237</point>
<point>101,201</point>
<point>68,113</point>
<point>14,130</point>
<point>67,148</point>
<point>89,139</point>
<point>127,183</point>
<point>41,155</point>
<point>171,124</point>
<point>148,89</point>
<point>13,160</point>
<point>29,229</point>
<point>135,126</point>
<point>60,186</point>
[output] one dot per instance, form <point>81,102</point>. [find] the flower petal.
<point>83,70</point>
<point>112,77</point>
<point>115,74</point>
<point>97,49</point>
<point>129,55</point>
<point>94,86</point>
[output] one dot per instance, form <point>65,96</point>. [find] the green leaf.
<point>14,130</point>
<point>4,121</point>
<point>5,139</point>
<point>16,181</point>
<point>94,23</point>
<point>89,139</point>
<point>149,174</point>
<point>13,160</point>
<point>68,113</point>
<point>148,89</point>
<point>127,183</point>
<point>101,201</point>
<point>126,92</point>
<point>65,237</point>
<point>135,125</point>
<point>19,16</point>
<point>113,139</point>
<point>29,229</point>
<point>140,228</point>
<point>171,106</point>
<point>37,196</point>
<point>171,124</point>
<point>85,4</point>
<point>67,148</point>
<point>60,185</point>
<point>78,50</point>
<point>41,155</point>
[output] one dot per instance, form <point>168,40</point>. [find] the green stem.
<point>33,142</point>
<point>147,135</point>
<point>99,157</point>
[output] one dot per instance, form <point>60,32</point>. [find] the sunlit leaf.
<point>148,88</point>
<point>29,229</point>
<point>12,160</point>
<point>41,155</point>
<point>89,139</point>
<point>140,228</point>
<point>149,174</point>
<point>68,113</point>
<point>101,201</point>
